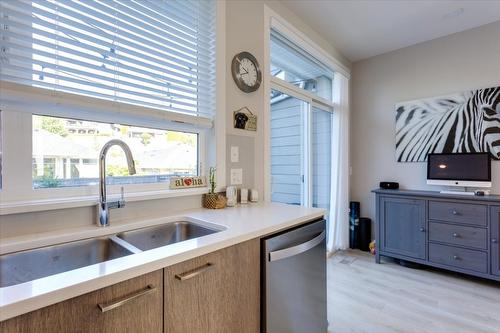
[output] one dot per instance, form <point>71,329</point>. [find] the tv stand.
<point>449,231</point>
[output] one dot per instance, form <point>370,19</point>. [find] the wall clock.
<point>246,72</point>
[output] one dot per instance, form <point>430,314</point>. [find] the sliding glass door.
<point>301,110</point>
<point>321,151</point>
<point>306,139</point>
<point>301,150</point>
<point>288,148</point>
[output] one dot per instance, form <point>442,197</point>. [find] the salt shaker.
<point>254,195</point>
<point>244,195</point>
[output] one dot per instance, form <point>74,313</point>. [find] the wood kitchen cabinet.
<point>218,292</point>
<point>134,306</point>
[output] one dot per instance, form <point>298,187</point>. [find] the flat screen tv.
<point>460,169</point>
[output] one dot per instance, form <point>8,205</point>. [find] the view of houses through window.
<point>66,153</point>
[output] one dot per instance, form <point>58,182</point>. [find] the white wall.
<point>463,61</point>
<point>244,32</point>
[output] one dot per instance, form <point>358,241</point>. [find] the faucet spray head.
<point>131,168</point>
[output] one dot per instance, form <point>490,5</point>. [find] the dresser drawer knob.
<point>456,235</point>
<point>494,240</point>
<point>456,257</point>
<point>422,229</point>
<point>454,212</point>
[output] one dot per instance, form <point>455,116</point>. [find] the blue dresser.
<point>454,232</point>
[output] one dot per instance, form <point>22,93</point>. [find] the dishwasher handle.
<point>297,249</point>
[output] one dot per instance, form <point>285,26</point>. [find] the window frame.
<point>19,103</point>
<point>18,184</point>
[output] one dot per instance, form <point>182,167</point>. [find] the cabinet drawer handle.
<point>115,304</point>
<point>456,235</point>
<point>494,240</point>
<point>422,229</point>
<point>454,212</point>
<point>195,272</point>
<point>456,257</point>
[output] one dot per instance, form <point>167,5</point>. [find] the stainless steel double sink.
<point>24,266</point>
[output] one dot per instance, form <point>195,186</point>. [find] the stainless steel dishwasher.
<point>294,280</point>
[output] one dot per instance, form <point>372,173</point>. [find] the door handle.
<point>297,249</point>
<point>195,272</point>
<point>115,304</point>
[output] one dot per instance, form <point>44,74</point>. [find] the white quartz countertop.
<point>240,224</point>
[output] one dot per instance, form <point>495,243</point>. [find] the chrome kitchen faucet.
<point>103,205</point>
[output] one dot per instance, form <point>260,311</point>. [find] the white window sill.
<point>17,207</point>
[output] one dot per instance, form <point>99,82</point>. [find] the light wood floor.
<point>387,298</point>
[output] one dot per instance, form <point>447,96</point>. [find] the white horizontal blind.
<point>291,58</point>
<point>291,63</point>
<point>156,53</point>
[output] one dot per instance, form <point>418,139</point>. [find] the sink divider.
<point>125,244</point>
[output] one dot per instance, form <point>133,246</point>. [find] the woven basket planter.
<point>214,201</point>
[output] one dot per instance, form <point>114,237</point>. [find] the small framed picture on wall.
<point>244,119</point>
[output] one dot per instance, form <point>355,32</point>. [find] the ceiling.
<point>360,29</point>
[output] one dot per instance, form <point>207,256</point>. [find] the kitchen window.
<point>75,74</point>
<point>64,158</point>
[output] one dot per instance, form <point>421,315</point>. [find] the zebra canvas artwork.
<point>457,123</point>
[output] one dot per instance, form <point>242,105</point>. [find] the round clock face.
<point>246,72</point>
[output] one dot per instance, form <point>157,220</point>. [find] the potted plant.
<point>212,199</point>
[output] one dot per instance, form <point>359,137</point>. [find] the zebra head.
<point>462,122</point>
<point>487,109</point>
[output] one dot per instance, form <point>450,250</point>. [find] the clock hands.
<point>241,66</point>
